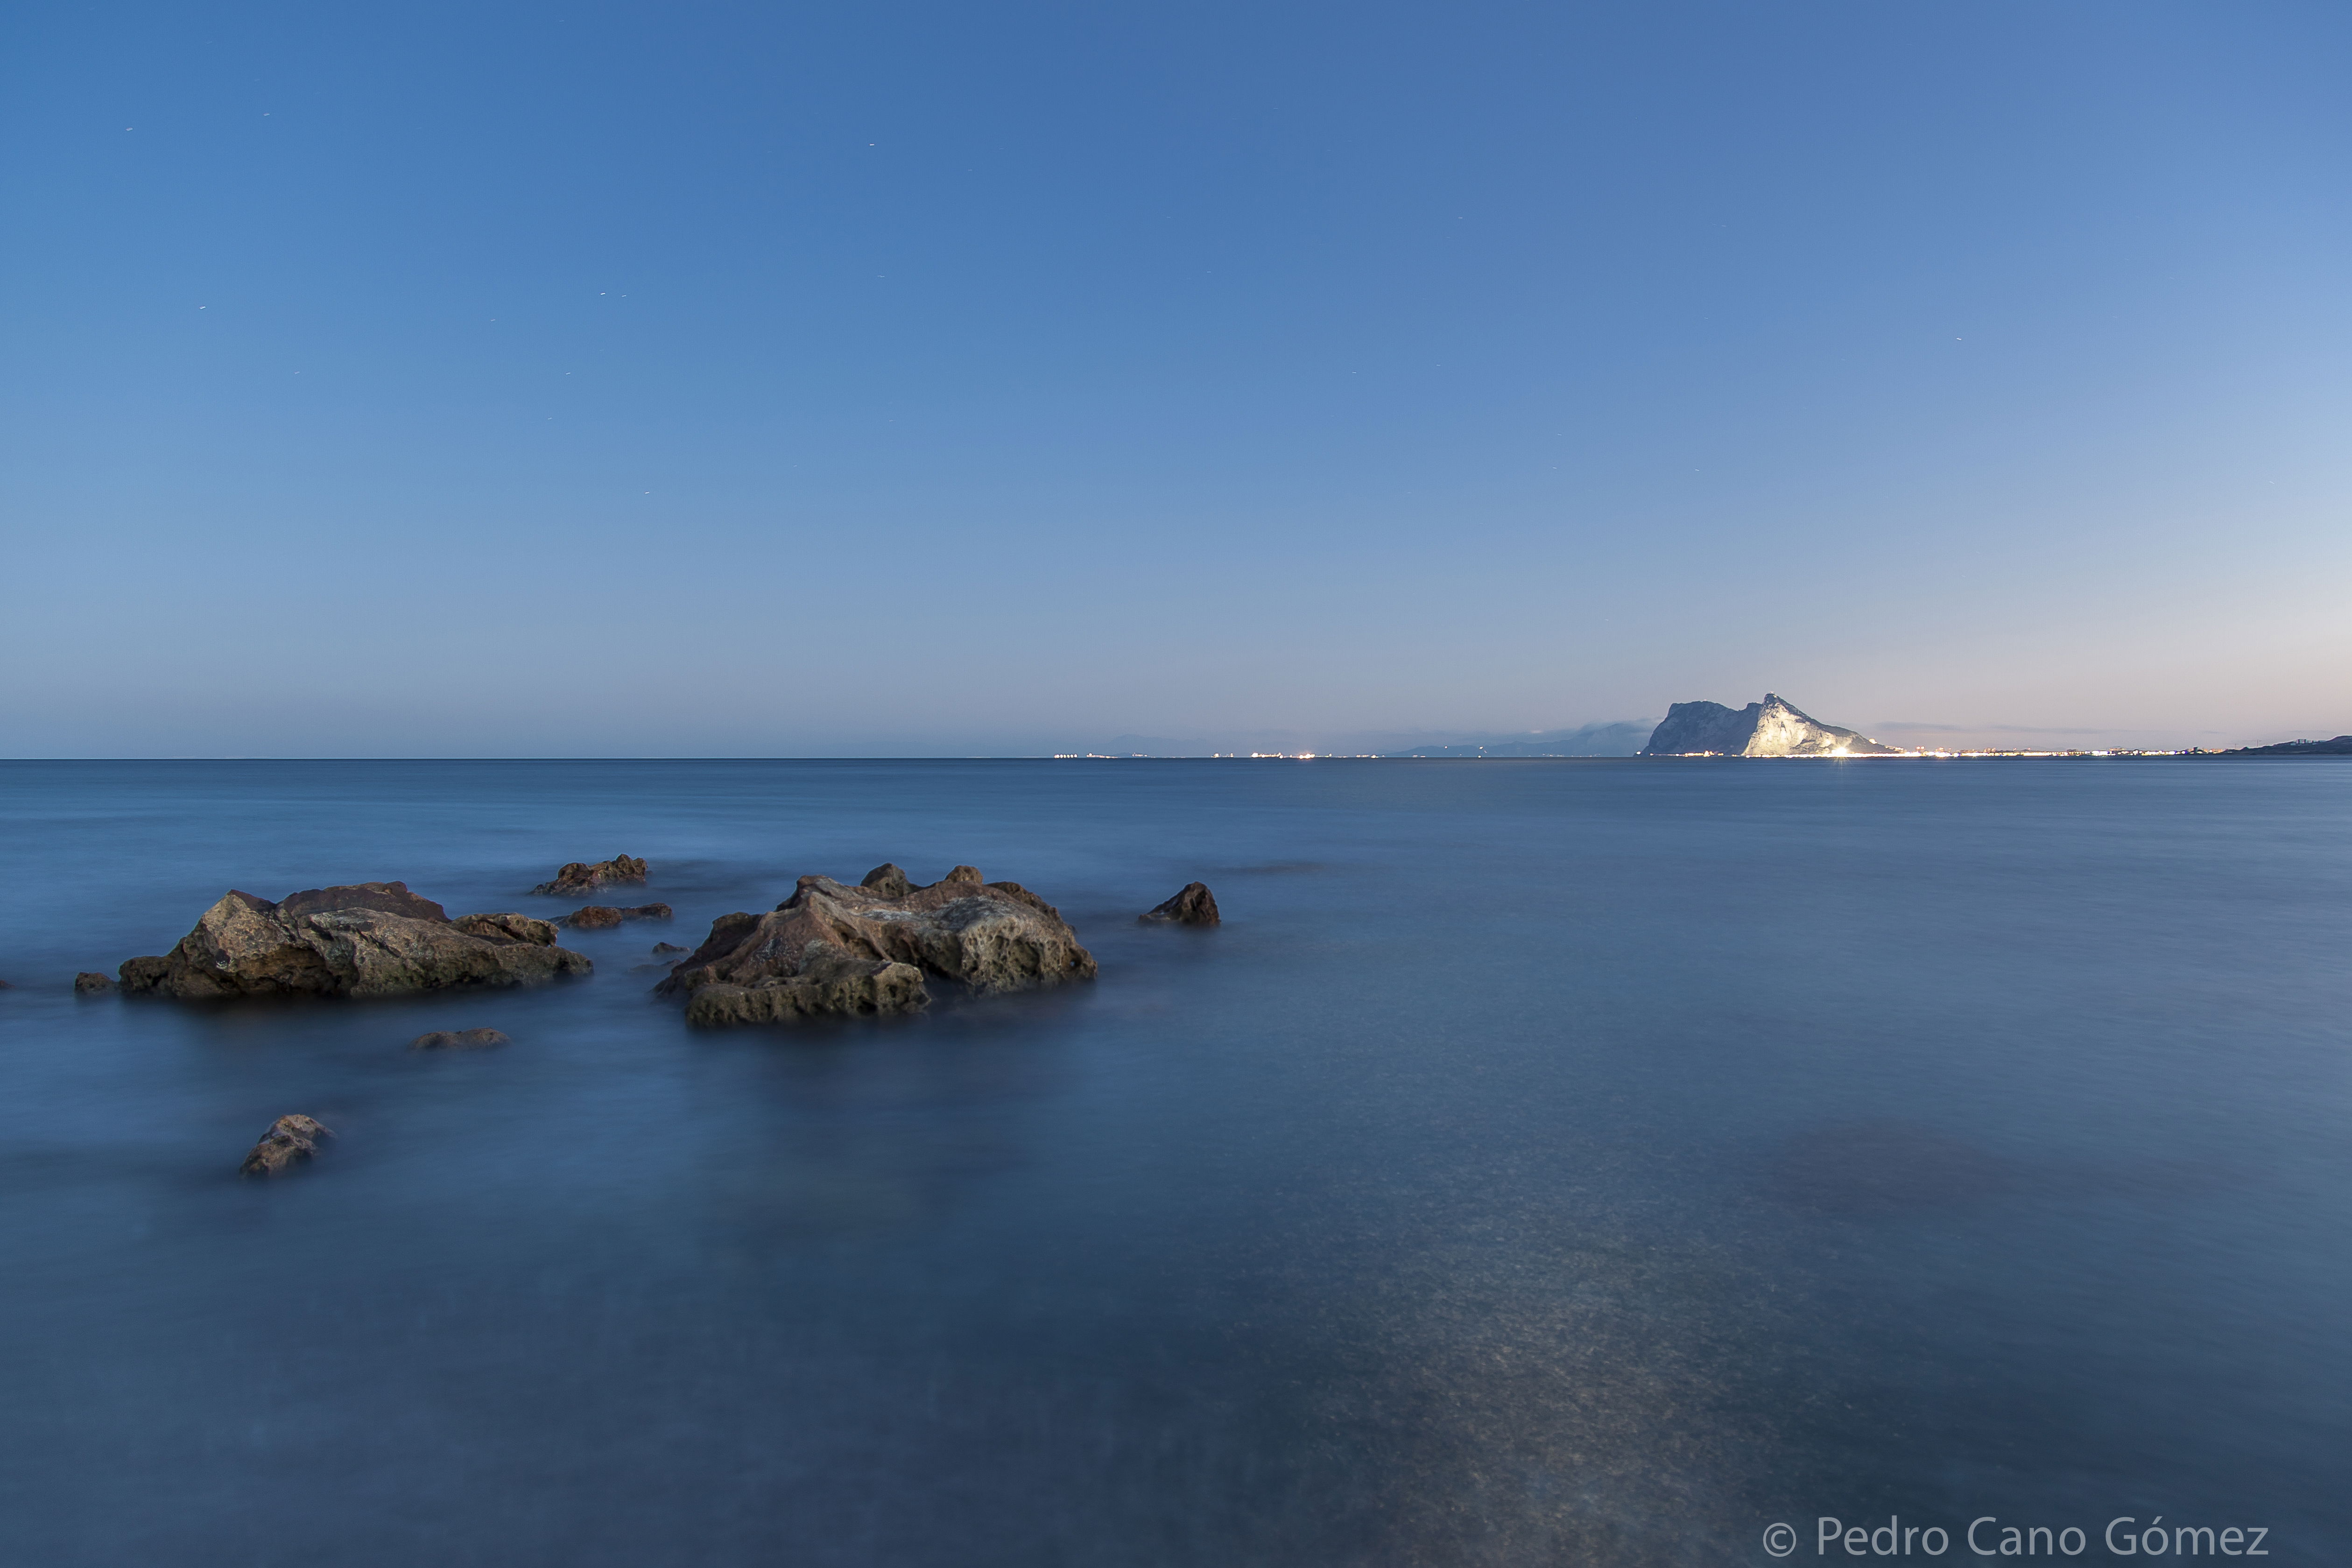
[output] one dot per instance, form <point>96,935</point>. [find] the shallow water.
<point>1585,1162</point>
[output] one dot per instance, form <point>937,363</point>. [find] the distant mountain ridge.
<point>2340,747</point>
<point>1773,727</point>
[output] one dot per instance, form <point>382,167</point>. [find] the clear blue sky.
<point>768,380</point>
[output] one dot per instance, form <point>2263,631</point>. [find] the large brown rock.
<point>245,945</point>
<point>833,949</point>
<point>581,878</point>
<point>290,1141</point>
<point>1193,905</point>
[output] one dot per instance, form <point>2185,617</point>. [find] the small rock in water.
<point>508,928</point>
<point>581,878</point>
<point>458,1039</point>
<point>663,949</point>
<point>1196,906</point>
<point>90,980</point>
<point>599,916</point>
<point>289,1140</point>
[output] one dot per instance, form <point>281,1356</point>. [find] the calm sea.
<point>1546,1162</point>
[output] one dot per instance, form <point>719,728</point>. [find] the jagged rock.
<point>458,1039</point>
<point>90,980</point>
<point>245,945</point>
<point>581,878</point>
<point>599,917</point>
<point>290,1142</point>
<point>1773,727</point>
<point>836,948</point>
<point>1195,905</point>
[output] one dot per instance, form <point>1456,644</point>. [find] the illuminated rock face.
<point>1773,727</point>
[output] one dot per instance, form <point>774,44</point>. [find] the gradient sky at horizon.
<point>728,379</point>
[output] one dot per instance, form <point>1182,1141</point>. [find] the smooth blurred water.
<point>1546,1162</point>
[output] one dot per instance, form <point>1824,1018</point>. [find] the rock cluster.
<point>369,939</point>
<point>581,878</point>
<point>458,1039</point>
<point>290,1142</point>
<point>1193,905</point>
<point>599,916</point>
<point>836,949</point>
<point>1773,727</point>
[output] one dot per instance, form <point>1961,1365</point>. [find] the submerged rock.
<point>245,945</point>
<point>581,878</point>
<point>459,1040</point>
<point>1194,905</point>
<point>598,916</point>
<point>90,980</point>
<point>290,1141</point>
<point>832,949</point>
<point>666,957</point>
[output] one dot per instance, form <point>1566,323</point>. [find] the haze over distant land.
<point>517,381</point>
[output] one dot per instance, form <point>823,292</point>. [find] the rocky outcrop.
<point>290,1141</point>
<point>245,945</point>
<point>582,878</point>
<point>832,949</point>
<point>1773,727</point>
<point>90,980</point>
<point>459,1040</point>
<point>600,917</point>
<point>1195,905</point>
